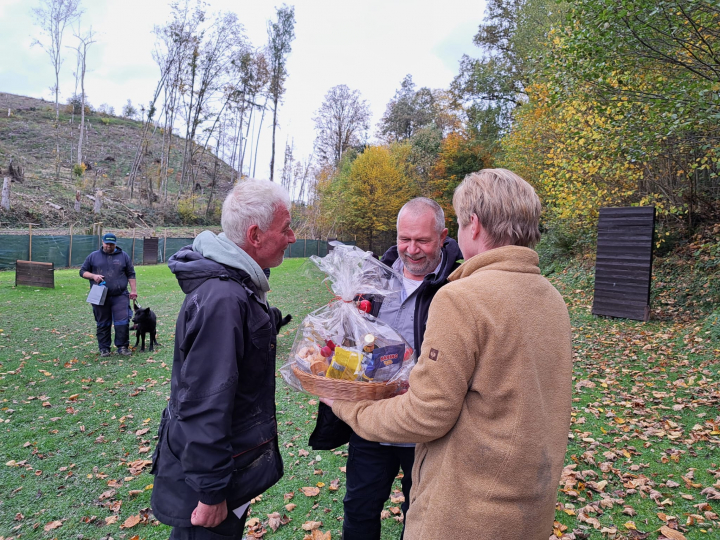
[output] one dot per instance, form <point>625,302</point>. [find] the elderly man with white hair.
<point>217,446</point>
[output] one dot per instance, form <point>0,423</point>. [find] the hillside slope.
<point>27,139</point>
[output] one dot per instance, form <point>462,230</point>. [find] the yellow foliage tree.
<point>573,157</point>
<point>373,193</point>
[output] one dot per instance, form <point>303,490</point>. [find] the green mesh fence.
<point>66,251</point>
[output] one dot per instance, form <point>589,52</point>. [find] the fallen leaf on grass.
<point>310,491</point>
<point>107,494</point>
<point>131,522</point>
<point>52,525</point>
<point>311,525</point>
<point>290,507</point>
<point>317,535</point>
<point>672,533</point>
<point>110,520</point>
<point>335,485</point>
<point>275,520</point>
<point>135,492</point>
<point>289,496</point>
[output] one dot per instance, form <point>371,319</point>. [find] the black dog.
<point>279,320</point>
<point>145,323</point>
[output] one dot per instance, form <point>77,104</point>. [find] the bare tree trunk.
<point>98,202</point>
<point>244,145</point>
<point>257,141</point>
<point>272,155</point>
<point>5,204</point>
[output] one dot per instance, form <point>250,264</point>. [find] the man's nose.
<point>413,248</point>
<point>291,237</point>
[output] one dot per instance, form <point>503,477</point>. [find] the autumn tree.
<point>460,154</point>
<point>340,122</point>
<point>280,35</point>
<point>511,38</point>
<point>53,17</point>
<point>653,71</point>
<point>368,193</point>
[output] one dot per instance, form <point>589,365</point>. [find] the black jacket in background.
<point>218,436</point>
<point>331,432</point>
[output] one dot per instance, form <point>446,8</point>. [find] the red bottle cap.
<point>365,306</point>
<point>330,344</point>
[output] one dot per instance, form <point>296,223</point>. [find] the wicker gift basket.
<point>341,352</point>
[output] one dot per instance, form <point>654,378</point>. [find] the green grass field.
<point>78,432</point>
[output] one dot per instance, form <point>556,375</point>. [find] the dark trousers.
<point>114,310</point>
<point>371,470</point>
<point>232,528</point>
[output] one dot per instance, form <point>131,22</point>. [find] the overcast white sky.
<point>369,46</point>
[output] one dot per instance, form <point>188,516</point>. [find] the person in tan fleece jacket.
<point>489,400</point>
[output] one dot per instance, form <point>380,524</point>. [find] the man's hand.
<point>97,278</point>
<point>133,295</point>
<point>209,515</point>
<point>327,401</point>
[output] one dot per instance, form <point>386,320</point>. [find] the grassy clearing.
<point>76,432</point>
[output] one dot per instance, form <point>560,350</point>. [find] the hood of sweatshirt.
<point>212,256</point>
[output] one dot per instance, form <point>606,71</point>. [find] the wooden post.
<point>132,258</point>
<point>30,254</point>
<point>305,247</point>
<point>5,204</point>
<point>70,252</point>
<point>77,201</point>
<point>165,246</point>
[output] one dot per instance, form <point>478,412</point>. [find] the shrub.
<point>74,104</point>
<point>188,209</point>
<point>79,169</point>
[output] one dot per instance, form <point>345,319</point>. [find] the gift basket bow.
<point>341,351</point>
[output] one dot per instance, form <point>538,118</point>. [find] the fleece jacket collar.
<point>506,259</point>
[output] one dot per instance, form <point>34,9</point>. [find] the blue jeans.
<point>371,471</point>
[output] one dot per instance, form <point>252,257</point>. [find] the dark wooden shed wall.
<point>623,269</point>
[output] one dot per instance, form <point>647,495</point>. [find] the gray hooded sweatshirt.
<point>220,249</point>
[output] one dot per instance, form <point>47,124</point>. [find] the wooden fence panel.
<point>35,274</point>
<point>150,250</point>
<point>623,269</point>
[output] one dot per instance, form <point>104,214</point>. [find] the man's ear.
<point>253,236</point>
<point>443,236</point>
<point>475,226</point>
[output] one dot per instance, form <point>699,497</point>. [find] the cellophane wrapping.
<point>339,340</point>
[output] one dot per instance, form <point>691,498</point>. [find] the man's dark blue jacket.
<point>331,432</point>
<point>116,269</point>
<point>218,435</point>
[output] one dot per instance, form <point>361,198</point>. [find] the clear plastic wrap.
<point>340,342</point>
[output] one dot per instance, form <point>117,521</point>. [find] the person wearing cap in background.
<point>113,266</point>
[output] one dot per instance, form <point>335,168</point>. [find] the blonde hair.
<point>506,206</point>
